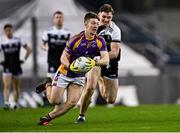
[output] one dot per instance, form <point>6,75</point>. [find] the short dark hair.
<point>8,26</point>
<point>106,8</point>
<point>90,15</point>
<point>57,12</point>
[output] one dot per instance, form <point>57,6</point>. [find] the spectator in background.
<point>11,46</point>
<point>108,82</point>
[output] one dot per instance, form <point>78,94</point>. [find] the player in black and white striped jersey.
<point>108,83</point>
<point>11,46</point>
<point>54,41</point>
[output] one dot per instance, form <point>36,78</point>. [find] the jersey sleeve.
<point>69,46</point>
<point>72,43</point>
<point>45,37</point>
<point>116,35</point>
<point>101,44</point>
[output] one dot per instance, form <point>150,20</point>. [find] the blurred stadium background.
<point>149,67</point>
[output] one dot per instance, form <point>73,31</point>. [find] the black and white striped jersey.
<point>11,48</point>
<point>110,34</point>
<point>56,40</point>
<point>113,31</point>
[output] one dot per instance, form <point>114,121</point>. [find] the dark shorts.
<point>15,71</point>
<point>110,71</point>
<point>52,68</point>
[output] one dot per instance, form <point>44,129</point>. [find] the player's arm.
<point>115,49</point>
<point>104,55</point>
<point>28,51</point>
<point>65,58</point>
<point>43,46</point>
<point>115,43</point>
<point>104,59</point>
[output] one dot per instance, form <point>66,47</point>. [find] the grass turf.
<point>143,118</point>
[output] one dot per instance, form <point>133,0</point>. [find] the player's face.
<point>8,32</point>
<point>105,18</point>
<point>91,25</point>
<point>58,20</point>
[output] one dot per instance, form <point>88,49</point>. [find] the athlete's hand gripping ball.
<point>74,67</point>
<point>90,63</point>
<point>82,65</point>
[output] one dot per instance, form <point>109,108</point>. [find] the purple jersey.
<point>78,46</point>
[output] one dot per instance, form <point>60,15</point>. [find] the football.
<point>81,64</point>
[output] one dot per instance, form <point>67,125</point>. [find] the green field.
<point>143,118</point>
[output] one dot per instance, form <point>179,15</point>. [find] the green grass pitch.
<point>153,118</point>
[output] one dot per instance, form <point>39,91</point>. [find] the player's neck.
<point>89,36</point>
<point>9,37</point>
<point>58,26</point>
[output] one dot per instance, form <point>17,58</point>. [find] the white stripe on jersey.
<point>54,31</point>
<point>4,41</point>
<point>113,31</point>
